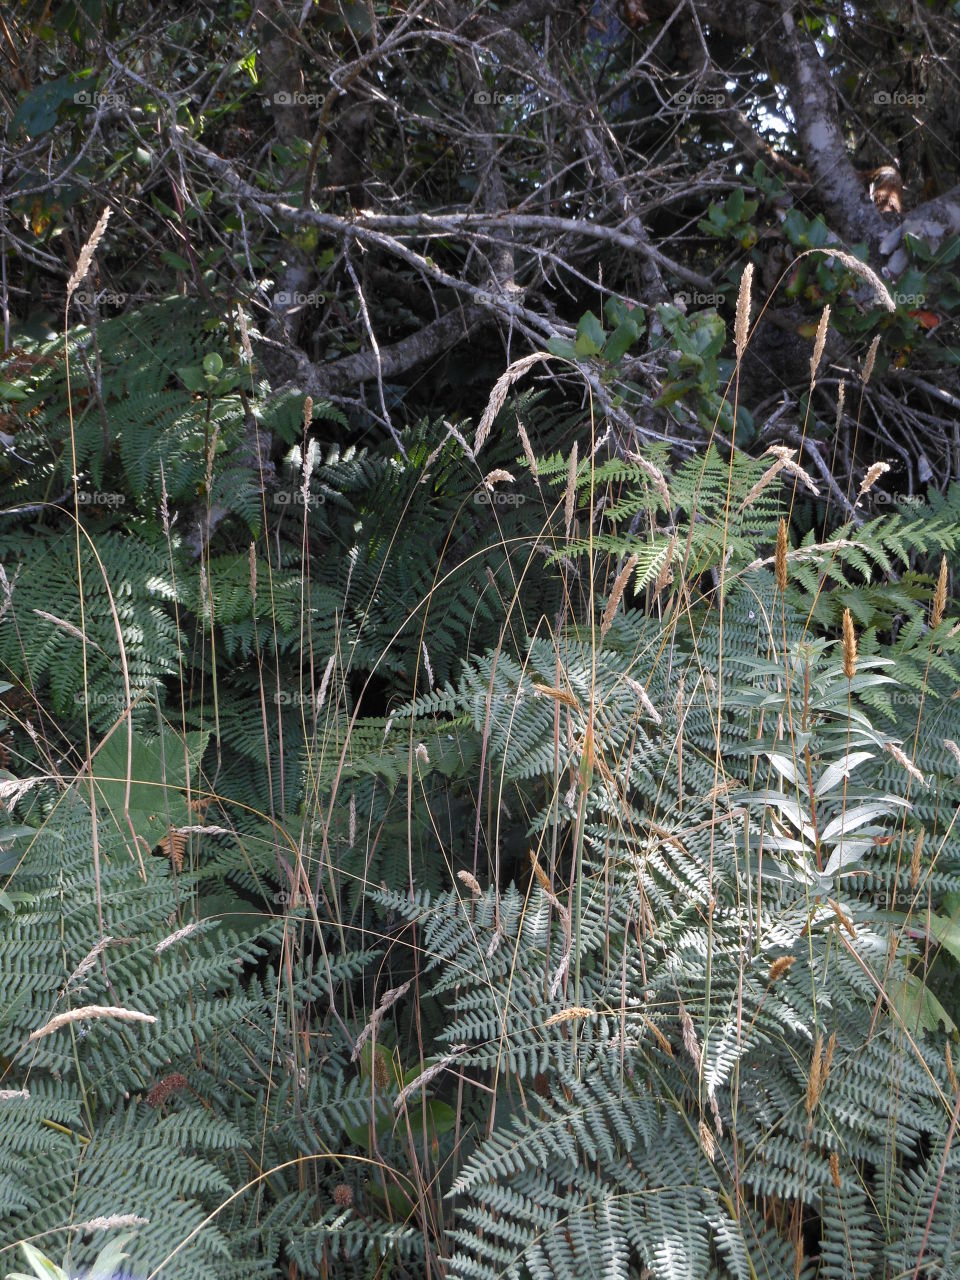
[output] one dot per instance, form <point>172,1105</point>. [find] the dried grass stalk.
<point>644,699</point>
<point>780,966</point>
<point>472,883</point>
<point>527,450</point>
<point>952,748</point>
<point>870,361</point>
<point>109,1221</point>
<point>498,396</point>
<point>658,1035</point>
<point>761,484</point>
<point>325,682</point>
<point>87,252</point>
<point>849,646</point>
<point>307,413</point>
<point>819,343</point>
<point>542,878</point>
<point>842,916</point>
<point>497,476</point>
<point>245,341</point>
<point>690,1042</point>
<point>835,1169</point>
<point>742,323</point>
<point>389,998</point>
<point>873,475</point>
<point>841,400</point>
<point>867,274</point>
<point>654,474</point>
<point>780,559</point>
<point>814,1080</point>
<point>706,1133</point>
<point>173,938</point>
<point>572,1014</point>
<point>428,669</point>
<point>424,1078</point>
<point>570,500</point>
<point>665,576</point>
<point>89,960</point>
<point>917,854</point>
<point>940,595</point>
<point>905,762</point>
<point>89,1011</point>
<point>616,594</point>
<point>951,1073</point>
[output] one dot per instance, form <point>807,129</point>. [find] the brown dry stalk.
<point>616,594</point>
<point>179,936</point>
<point>865,273</point>
<point>905,762</point>
<point>558,695</point>
<point>690,1042</point>
<point>819,343</point>
<point>571,494</point>
<point>870,361</point>
<point>307,413</point>
<point>472,883</point>
<point>643,698</point>
<point>252,563</point>
<point>835,1169</point>
<point>654,474</point>
<point>761,484</point>
<point>658,1035</point>
<point>780,966</point>
<point>780,558</point>
<point>498,395</point>
<point>873,475</point>
<point>527,449</point>
<point>940,595</point>
<point>107,1222</point>
<point>387,999</point>
<point>786,457</point>
<point>542,878</point>
<point>841,398</point>
<point>427,1075</point>
<point>706,1133</point>
<point>89,1011</point>
<point>573,1014</point>
<point>849,646</point>
<point>248,351</point>
<point>89,960</point>
<point>742,323</point>
<point>951,1073</point>
<point>87,252</point>
<point>665,576</point>
<point>322,694</point>
<point>497,476</point>
<point>842,916</point>
<point>917,853</point>
<point>814,1081</point>
<point>828,1059</point>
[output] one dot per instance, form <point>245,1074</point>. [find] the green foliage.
<point>304,963</point>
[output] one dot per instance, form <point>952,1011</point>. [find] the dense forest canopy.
<point>478,674</point>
